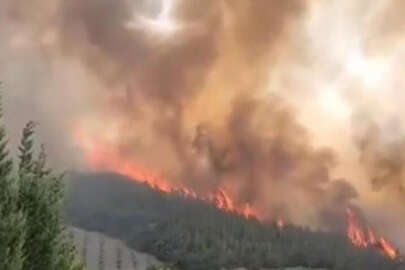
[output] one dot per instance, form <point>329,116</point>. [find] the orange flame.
<point>367,238</point>
<point>388,248</point>
<point>109,159</point>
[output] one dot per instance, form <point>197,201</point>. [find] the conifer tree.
<point>32,234</point>
<point>47,244</point>
<point>12,222</point>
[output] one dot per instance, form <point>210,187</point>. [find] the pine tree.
<point>12,221</point>
<point>32,234</point>
<point>26,165</point>
<point>47,245</point>
<point>37,246</point>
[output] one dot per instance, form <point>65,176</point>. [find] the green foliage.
<point>32,234</point>
<point>41,193</point>
<point>12,221</point>
<point>26,164</point>
<point>194,235</point>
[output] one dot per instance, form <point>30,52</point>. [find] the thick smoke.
<point>191,105</point>
<point>388,26</point>
<point>381,154</point>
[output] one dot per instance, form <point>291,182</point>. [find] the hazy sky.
<point>293,106</point>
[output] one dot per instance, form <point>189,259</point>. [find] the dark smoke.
<point>193,106</point>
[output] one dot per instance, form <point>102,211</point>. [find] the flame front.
<point>388,248</point>
<point>365,238</point>
<point>108,159</point>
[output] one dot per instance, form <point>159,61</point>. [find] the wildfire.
<point>388,248</point>
<point>221,198</point>
<point>108,159</point>
<point>223,201</point>
<point>365,238</point>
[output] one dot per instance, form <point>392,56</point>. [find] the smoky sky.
<point>193,105</point>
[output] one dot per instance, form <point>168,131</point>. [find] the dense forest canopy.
<point>193,234</point>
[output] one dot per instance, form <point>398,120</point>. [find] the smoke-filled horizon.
<point>293,107</point>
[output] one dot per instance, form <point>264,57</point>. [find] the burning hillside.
<point>364,236</point>
<point>219,197</point>
<point>361,235</point>
<point>198,236</point>
<point>230,194</point>
<point>269,109</point>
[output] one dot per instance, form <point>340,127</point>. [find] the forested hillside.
<point>195,235</point>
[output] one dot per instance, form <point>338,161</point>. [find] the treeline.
<point>204,238</point>
<point>32,235</point>
<point>193,235</point>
